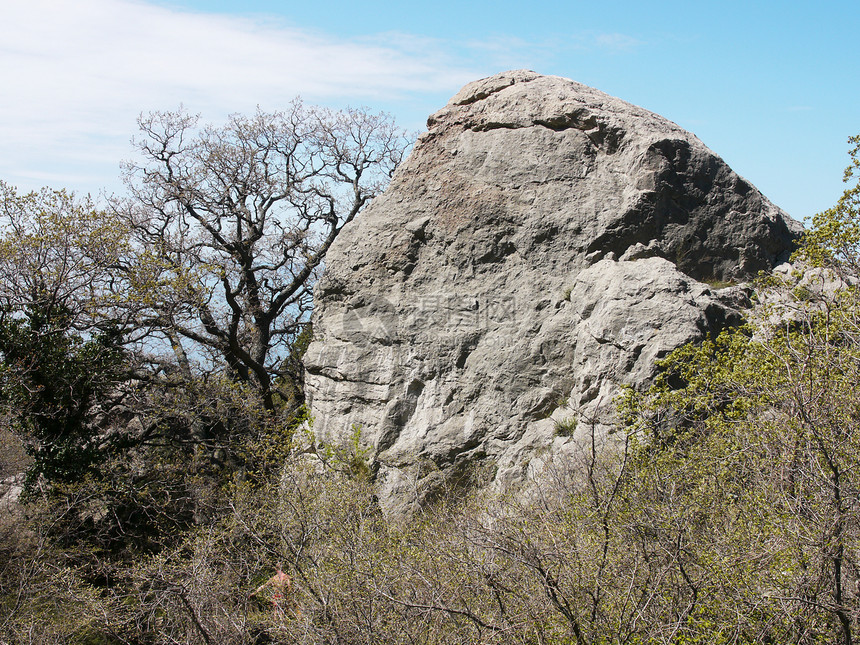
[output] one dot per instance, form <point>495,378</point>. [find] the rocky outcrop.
<point>543,244</point>
<point>11,489</point>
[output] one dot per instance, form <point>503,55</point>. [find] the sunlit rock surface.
<point>543,244</point>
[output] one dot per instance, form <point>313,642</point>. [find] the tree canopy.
<point>229,226</point>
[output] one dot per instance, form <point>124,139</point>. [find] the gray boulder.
<point>543,244</point>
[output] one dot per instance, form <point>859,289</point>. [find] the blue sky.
<point>770,86</point>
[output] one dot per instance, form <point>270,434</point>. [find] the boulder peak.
<point>543,244</point>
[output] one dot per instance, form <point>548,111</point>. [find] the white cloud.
<point>616,42</point>
<point>76,74</point>
<point>510,52</point>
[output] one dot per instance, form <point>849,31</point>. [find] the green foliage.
<point>833,241</point>
<point>747,454</point>
<point>739,466</point>
<point>289,386</point>
<point>62,350</point>
<point>566,427</point>
<point>152,367</point>
<point>716,283</point>
<point>351,457</point>
<point>59,255</point>
<point>53,384</point>
<point>264,453</point>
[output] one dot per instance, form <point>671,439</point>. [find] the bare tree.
<point>232,223</point>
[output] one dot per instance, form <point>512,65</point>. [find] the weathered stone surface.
<point>543,244</point>
<point>10,491</point>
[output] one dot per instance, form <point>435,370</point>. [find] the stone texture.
<point>543,244</point>
<point>11,489</point>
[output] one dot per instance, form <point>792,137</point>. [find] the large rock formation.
<point>543,244</point>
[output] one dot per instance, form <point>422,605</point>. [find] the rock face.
<point>543,244</point>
